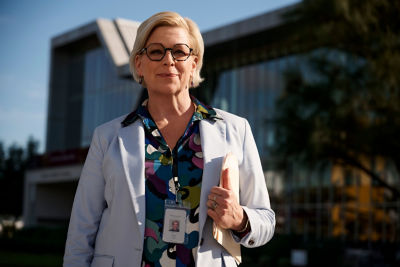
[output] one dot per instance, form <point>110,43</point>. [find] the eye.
<point>155,52</point>
<point>179,53</point>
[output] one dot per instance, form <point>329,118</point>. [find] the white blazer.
<point>108,215</point>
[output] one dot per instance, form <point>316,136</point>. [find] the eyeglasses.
<point>156,51</point>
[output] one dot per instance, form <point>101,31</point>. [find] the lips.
<point>167,75</point>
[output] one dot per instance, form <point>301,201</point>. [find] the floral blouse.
<point>161,164</point>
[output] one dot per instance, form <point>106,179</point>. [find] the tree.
<point>349,108</point>
<point>12,171</point>
<point>2,160</point>
<point>31,152</point>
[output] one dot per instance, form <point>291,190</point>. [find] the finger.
<point>226,182</point>
<point>217,218</point>
<point>210,204</point>
<point>219,191</point>
<point>213,197</point>
<point>214,215</point>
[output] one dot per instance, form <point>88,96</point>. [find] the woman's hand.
<point>223,206</point>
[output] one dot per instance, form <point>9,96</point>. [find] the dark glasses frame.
<point>145,49</point>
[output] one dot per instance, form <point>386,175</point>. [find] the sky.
<point>26,29</point>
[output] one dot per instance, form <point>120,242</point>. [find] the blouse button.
<point>251,242</point>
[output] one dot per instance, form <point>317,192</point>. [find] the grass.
<point>33,247</point>
<point>23,259</point>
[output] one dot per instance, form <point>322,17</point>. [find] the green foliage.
<point>346,105</point>
<point>367,28</point>
<point>2,160</point>
<point>12,170</point>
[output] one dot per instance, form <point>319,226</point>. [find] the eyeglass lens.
<point>157,51</point>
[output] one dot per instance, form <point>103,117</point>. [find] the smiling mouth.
<point>167,75</point>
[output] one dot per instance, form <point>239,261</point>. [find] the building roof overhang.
<point>118,35</point>
<point>243,28</point>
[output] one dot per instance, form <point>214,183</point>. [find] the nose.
<point>168,58</point>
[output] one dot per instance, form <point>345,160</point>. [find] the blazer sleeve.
<point>254,196</point>
<point>87,209</point>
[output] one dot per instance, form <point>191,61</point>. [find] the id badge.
<point>175,223</point>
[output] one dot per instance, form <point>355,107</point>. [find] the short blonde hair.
<point>172,19</point>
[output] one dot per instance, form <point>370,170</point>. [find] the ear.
<point>194,62</point>
<point>138,65</point>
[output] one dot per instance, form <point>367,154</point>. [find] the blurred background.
<point>318,81</point>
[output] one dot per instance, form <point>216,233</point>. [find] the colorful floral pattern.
<point>160,186</point>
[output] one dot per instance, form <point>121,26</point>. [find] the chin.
<point>168,89</point>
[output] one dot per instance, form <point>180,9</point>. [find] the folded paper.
<point>224,236</point>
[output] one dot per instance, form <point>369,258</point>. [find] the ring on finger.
<point>215,204</point>
<point>215,198</point>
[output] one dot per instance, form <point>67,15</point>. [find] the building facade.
<point>244,69</point>
<point>89,84</point>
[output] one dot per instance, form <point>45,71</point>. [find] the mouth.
<point>167,75</point>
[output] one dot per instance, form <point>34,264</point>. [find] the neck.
<point>162,107</point>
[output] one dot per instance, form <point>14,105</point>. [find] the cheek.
<point>186,77</point>
<point>186,71</point>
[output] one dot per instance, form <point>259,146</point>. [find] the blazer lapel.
<point>213,144</point>
<point>131,143</point>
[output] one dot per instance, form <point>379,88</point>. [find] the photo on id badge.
<point>174,226</point>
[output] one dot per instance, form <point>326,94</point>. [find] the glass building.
<point>105,95</point>
<point>89,84</point>
<point>244,69</point>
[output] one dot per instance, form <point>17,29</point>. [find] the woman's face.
<point>167,76</point>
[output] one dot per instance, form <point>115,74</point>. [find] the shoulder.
<point>227,116</point>
<point>231,119</point>
<point>236,127</point>
<point>109,129</point>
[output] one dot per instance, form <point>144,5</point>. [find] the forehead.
<point>168,36</point>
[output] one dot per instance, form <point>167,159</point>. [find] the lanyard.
<point>175,174</point>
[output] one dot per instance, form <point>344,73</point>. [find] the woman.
<point>162,163</point>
